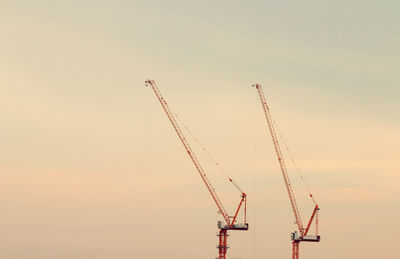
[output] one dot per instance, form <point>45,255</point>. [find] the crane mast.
<point>302,231</point>
<point>229,220</point>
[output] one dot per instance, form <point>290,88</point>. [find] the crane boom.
<point>229,220</point>
<point>189,151</point>
<point>296,239</point>
<point>280,159</point>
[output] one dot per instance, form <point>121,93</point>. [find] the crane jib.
<point>303,231</point>
<point>188,149</point>
<point>230,224</point>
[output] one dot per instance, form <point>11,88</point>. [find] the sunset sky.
<point>91,167</point>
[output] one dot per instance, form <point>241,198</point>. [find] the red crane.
<point>230,221</point>
<point>302,235</point>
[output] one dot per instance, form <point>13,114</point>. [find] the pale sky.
<point>91,167</point>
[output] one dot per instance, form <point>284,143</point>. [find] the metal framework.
<point>230,221</point>
<point>302,235</point>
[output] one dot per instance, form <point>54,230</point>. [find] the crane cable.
<point>208,153</point>
<point>294,162</point>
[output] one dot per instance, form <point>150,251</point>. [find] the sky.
<point>92,168</point>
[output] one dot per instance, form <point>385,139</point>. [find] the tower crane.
<point>230,222</point>
<point>302,235</point>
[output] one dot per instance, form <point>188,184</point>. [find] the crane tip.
<point>147,82</point>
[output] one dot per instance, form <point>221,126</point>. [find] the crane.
<point>302,235</point>
<point>230,221</point>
